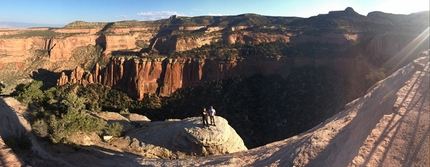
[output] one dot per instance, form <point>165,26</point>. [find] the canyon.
<point>141,75</point>
<point>389,125</point>
<point>352,52</point>
<point>23,51</point>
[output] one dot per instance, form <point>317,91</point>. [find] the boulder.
<point>133,117</point>
<point>188,136</point>
<point>219,139</point>
<point>138,119</point>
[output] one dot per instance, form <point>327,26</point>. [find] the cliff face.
<point>61,49</point>
<point>397,48</point>
<point>338,38</point>
<point>163,76</point>
<point>139,77</point>
<point>22,46</point>
<point>62,42</point>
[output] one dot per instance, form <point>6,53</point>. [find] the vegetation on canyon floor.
<point>263,50</point>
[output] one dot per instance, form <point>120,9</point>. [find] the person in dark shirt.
<point>205,117</point>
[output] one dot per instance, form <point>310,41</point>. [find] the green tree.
<point>30,93</point>
<point>74,119</point>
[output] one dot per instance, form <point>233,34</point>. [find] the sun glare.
<point>401,6</point>
<point>412,47</point>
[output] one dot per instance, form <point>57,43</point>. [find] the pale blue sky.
<point>66,11</point>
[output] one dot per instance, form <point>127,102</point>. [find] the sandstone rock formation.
<point>163,76</point>
<point>188,136</point>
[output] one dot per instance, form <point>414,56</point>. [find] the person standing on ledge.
<point>205,117</point>
<point>212,115</point>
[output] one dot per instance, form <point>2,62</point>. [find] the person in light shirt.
<point>212,113</point>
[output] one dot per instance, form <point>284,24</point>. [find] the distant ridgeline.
<point>159,57</point>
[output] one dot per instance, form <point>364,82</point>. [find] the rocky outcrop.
<point>338,38</point>
<point>187,136</point>
<point>255,38</point>
<point>126,42</point>
<point>188,43</point>
<point>219,139</point>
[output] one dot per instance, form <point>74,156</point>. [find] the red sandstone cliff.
<point>61,42</point>
<point>163,76</point>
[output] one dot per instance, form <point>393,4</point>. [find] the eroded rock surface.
<point>188,136</point>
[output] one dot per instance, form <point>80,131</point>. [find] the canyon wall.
<point>387,40</point>
<point>139,77</point>
<point>395,49</point>
<point>163,76</point>
<point>60,43</point>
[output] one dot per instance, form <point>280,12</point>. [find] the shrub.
<point>40,128</point>
<point>124,111</point>
<point>115,129</point>
<point>71,123</point>
<point>23,141</point>
<point>95,107</point>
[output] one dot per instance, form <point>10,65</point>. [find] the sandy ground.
<point>389,126</point>
<point>7,157</point>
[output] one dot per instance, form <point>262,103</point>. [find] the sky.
<point>62,12</point>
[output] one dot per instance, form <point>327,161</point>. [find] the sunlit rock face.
<point>188,136</point>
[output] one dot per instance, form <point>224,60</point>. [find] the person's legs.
<point>203,120</point>
<point>213,120</point>
<point>206,120</point>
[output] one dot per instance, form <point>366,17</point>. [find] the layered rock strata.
<point>163,76</point>
<point>139,77</point>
